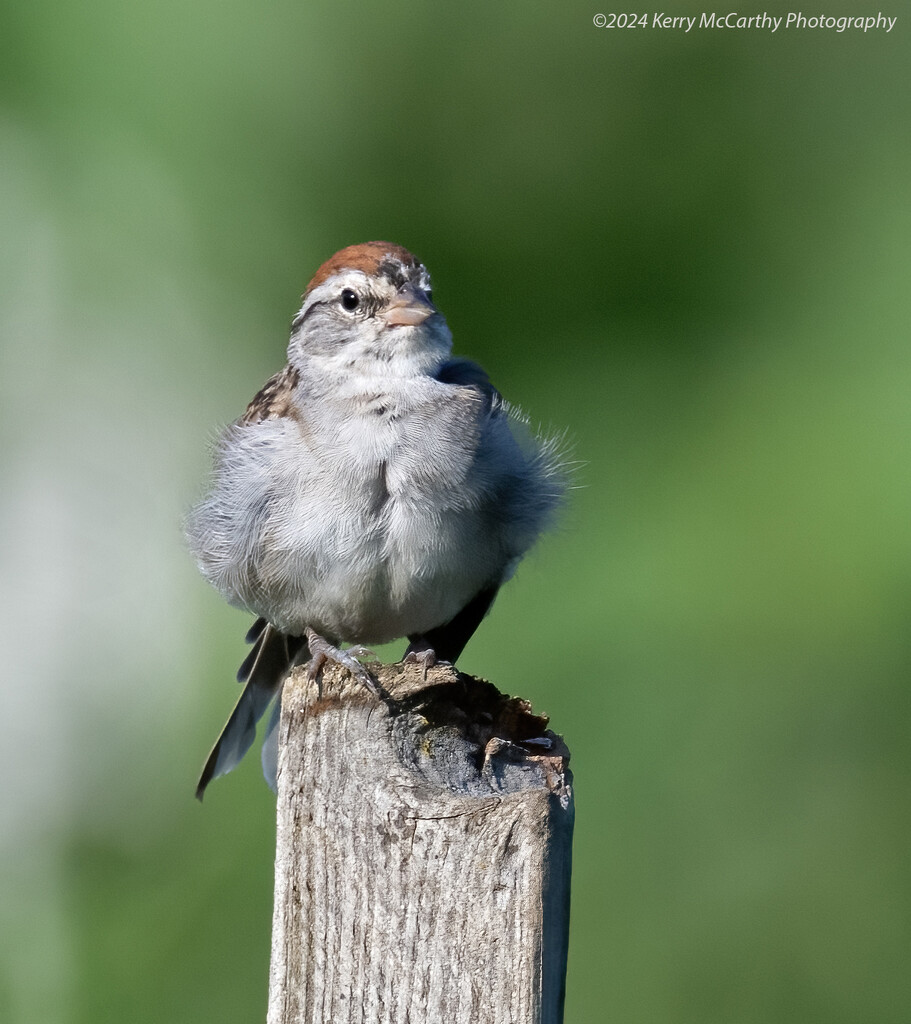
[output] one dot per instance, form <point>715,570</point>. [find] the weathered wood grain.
<point>423,854</point>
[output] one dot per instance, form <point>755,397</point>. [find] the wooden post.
<point>423,854</point>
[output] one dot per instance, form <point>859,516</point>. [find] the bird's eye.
<point>429,294</point>
<point>350,301</point>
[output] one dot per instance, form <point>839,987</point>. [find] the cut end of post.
<point>501,744</point>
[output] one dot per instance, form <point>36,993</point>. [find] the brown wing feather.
<point>273,399</point>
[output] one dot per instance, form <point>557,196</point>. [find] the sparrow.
<point>375,488</point>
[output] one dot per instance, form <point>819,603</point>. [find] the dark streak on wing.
<point>273,399</point>
<point>465,373</point>
<point>449,640</point>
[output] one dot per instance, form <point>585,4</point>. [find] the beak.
<point>408,309</point>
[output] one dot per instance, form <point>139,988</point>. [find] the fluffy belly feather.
<point>373,580</point>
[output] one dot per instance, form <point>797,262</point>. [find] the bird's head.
<point>368,311</point>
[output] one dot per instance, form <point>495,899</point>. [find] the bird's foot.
<point>421,653</point>
<point>321,652</point>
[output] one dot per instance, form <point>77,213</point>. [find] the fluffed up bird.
<point>375,488</point>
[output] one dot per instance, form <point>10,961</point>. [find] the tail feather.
<point>269,755</point>
<point>272,656</point>
<point>255,631</point>
<point>256,638</point>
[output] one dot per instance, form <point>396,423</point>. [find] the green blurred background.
<point>691,251</point>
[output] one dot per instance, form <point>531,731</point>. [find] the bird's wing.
<point>465,373</point>
<point>449,640</point>
<point>273,399</point>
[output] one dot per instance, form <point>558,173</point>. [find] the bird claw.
<point>321,652</point>
<point>359,651</point>
<point>426,658</point>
